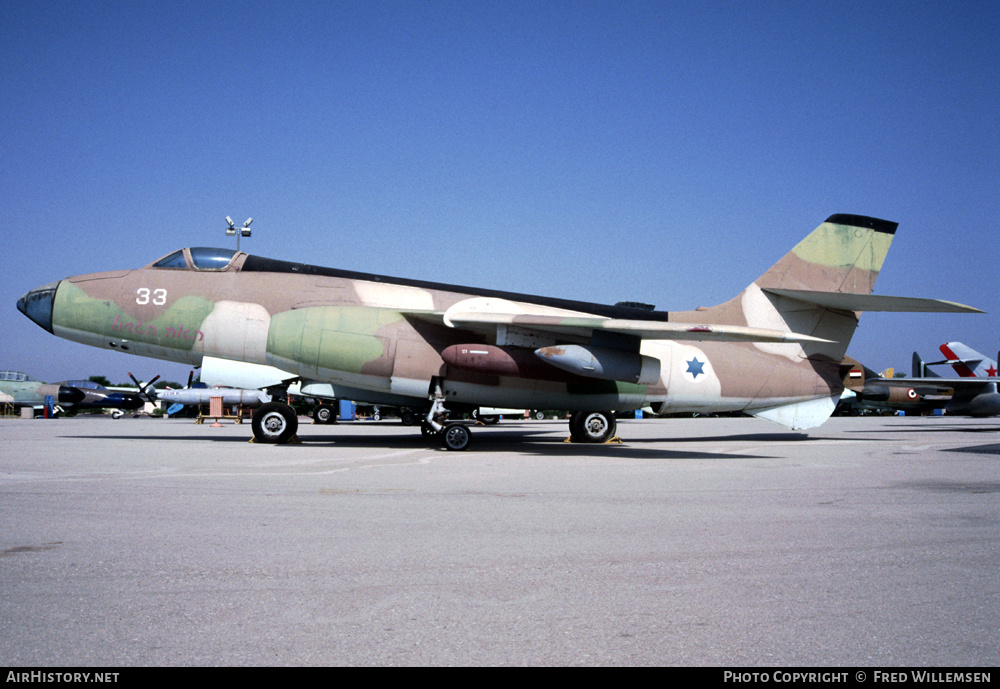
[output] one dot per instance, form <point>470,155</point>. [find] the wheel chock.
<point>294,440</point>
<point>614,440</point>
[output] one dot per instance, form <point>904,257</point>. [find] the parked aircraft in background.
<point>867,390</point>
<point>773,351</point>
<point>21,390</point>
<point>969,396</point>
<point>197,394</point>
<point>967,362</point>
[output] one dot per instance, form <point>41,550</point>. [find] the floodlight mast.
<point>239,232</point>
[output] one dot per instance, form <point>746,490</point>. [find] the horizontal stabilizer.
<point>849,301</point>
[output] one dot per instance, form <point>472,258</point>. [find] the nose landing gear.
<point>454,435</point>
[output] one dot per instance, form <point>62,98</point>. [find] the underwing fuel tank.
<point>602,363</point>
<point>499,361</point>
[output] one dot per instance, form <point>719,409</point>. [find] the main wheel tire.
<point>456,437</point>
<point>592,426</point>
<point>324,414</point>
<point>274,423</point>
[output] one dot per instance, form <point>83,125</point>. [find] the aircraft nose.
<point>37,304</point>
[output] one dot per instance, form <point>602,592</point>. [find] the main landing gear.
<point>325,413</point>
<point>592,426</point>
<point>275,423</point>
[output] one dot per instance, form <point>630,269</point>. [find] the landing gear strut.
<point>453,435</point>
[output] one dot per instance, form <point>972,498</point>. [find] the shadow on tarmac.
<point>516,438</point>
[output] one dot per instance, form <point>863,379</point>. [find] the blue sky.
<point>665,152</point>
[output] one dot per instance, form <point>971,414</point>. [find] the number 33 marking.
<point>159,296</point>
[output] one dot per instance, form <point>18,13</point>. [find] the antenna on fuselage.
<point>238,231</point>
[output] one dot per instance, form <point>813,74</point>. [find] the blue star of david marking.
<point>696,367</point>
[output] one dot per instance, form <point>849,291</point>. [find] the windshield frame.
<point>199,259</point>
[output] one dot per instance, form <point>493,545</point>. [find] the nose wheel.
<point>453,436</point>
<point>456,436</point>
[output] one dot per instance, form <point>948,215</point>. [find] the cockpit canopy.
<point>16,377</point>
<point>85,384</point>
<point>198,258</point>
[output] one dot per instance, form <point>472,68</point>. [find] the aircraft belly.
<point>128,346</point>
<point>529,394</point>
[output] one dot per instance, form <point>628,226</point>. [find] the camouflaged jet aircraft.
<point>774,351</point>
<point>867,390</point>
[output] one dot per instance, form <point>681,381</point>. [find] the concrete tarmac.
<point>868,542</point>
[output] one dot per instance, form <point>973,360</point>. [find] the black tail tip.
<point>863,221</point>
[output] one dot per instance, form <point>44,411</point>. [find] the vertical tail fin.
<point>844,254</point>
<point>967,362</point>
<point>842,257</point>
<point>920,369</point>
